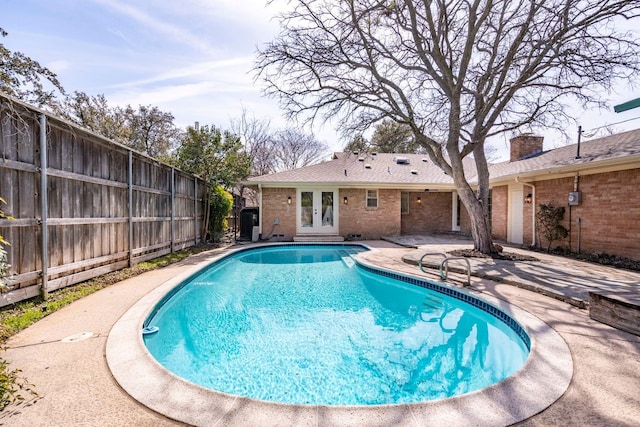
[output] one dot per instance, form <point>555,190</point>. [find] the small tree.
<point>221,203</point>
<point>549,220</point>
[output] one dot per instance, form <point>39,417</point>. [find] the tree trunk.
<point>480,227</point>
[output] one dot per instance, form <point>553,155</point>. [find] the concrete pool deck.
<point>77,387</point>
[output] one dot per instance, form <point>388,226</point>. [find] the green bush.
<point>549,220</point>
<point>221,202</point>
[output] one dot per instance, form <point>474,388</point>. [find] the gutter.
<point>533,210</point>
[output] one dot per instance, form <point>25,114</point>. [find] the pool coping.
<point>543,379</point>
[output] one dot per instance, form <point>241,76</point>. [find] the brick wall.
<point>356,218</point>
<point>499,204</point>
<point>432,215</point>
<point>274,205</point>
<point>609,213</point>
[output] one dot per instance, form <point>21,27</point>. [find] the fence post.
<point>195,210</point>
<point>130,191</point>
<point>173,205</point>
<point>44,205</point>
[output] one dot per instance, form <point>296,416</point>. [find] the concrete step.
<point>318,238</point>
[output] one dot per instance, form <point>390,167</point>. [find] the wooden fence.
<point>96,206</point>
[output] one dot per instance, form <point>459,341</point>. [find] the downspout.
<point>533,210</point>
<point>260,210</point>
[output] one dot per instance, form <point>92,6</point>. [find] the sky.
<point>192,58</point>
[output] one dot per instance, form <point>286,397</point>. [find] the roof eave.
<point>563,171</point>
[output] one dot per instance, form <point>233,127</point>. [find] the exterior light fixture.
<point>345,200</point>
<point>528,199</point>
<point>419,200</point>
<point>289,200</point>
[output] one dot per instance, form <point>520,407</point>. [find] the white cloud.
<point>231,69</point>
<point>162,27</point>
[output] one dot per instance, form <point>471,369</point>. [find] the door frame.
<point>317,195</point>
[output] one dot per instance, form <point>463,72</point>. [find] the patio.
<point>77,388</point>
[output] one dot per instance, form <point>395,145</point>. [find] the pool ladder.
<point>444,265</point>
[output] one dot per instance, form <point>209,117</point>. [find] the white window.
<point>372,198</point>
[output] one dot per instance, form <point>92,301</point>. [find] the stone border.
<point>542,380</point>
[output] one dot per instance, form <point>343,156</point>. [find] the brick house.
<point>370,195</point>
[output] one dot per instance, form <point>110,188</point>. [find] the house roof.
<point>382,170</point>
<point>621,150</point>
<point>366,169</point>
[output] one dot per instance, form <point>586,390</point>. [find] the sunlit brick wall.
<point>274,205</point>
<point>609,213</point>
<point>370,223</point>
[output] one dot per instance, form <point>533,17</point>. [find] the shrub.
<point>221,202</point>
<point>549,220</point>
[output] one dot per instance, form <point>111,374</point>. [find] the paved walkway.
<point>76,387</point>
<point>562,278</point>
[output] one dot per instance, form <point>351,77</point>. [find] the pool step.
<point>347,258</point>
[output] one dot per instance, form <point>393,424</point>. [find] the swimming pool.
<point>304,324</point>
<point>542,380</point>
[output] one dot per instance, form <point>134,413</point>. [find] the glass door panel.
<point>327,208</point>
<point>306,209</point>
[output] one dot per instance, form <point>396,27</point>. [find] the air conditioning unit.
<point>575,198</point>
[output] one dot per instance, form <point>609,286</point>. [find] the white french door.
<point>317,211</point>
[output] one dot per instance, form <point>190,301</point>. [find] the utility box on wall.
<point>575,198</point>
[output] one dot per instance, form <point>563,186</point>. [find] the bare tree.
<point>455,72</point>
<point>255,134</point>
<point>294,148</point>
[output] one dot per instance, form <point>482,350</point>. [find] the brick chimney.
<point>525,145</point>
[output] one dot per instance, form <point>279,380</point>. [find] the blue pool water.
<point>306,325</point>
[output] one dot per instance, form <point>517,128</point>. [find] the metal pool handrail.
<point>428,254</point>
<point>445,264</point>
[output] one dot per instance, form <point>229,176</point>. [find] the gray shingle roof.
<point>382,170</point>
<point>348,169</point>
<point>619,148</point>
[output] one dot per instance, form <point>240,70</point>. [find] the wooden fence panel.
<point>88,217</point>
